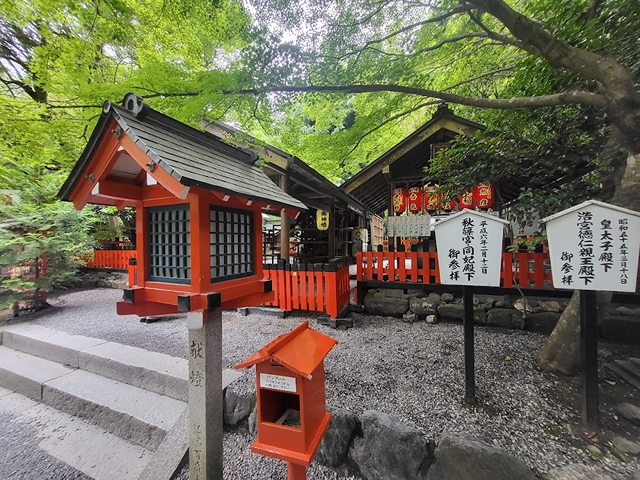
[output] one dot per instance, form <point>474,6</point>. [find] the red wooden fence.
<point>527,270</point>
<point>315,288</point>
<point>115,259</point>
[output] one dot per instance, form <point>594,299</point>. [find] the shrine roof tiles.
<point>301,350</point>
<point>192,157</point>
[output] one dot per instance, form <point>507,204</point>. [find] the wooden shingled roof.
<point>192,157</point>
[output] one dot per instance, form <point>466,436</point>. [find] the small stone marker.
<point>469,245</point>
<point>205,394</point>
<point>593,246</point>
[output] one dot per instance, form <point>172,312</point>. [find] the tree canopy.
<point>336,83</point>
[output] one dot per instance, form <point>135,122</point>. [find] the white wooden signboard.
<point>409,226</point>
<point>469,245</point>
<point>594,246</point>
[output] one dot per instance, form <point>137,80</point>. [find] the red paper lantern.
<point>483,195</point>
<point>399,200</point>
<point>431,198</point>
<point>415,200</point>
<point>466,200</point>
<point>449,205</point>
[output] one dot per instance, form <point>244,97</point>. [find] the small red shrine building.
<point>198,208</point>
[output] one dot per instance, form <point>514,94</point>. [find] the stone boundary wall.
<point>540,314</point>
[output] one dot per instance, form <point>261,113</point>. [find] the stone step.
<point>624,374</point>
<point>630,367</point>
<point>75,442</point>
<point>153,371</point>
<point>136,415</point>
<point>25,374</point>
<point>47,343</point>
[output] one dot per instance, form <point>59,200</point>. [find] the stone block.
<point>447,297</point>
<point>504,317</point>
<point>461,457</point>
<point>409,318</point>
<point>549,306</point>
<point>432,319</point>
<point>451,311</point>
<point>543,322</point>
<point>390,450</point>
<point>237,407</point>
<point>334,447</point>
<point>385,306</point>
<point>421,306</point>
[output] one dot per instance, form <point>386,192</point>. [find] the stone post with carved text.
<point>205,394</point>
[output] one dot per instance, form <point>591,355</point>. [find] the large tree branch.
<point>535,39</point>
<point>406,28</point>
<point>564,98</point>
<point>441,43</point>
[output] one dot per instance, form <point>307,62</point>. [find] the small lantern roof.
<point>190,156</point>
<point>301,350</point>
<point>590,203</point>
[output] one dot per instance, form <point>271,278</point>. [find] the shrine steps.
<point>122,397</point>
<point>628,370</point>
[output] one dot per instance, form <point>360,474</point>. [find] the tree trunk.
<point>561,353</point>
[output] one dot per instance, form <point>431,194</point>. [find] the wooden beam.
<point>98,168</point>
<point>161,176</point>
<point>120,191</point>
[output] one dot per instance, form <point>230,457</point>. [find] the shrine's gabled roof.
<point>192,157</point>
<point>301,350</point>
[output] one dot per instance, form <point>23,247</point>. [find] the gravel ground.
<point>412,371</point>
<point>22,458</point>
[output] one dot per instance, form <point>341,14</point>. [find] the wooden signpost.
<point>469,245</point>
<point>593,247</point>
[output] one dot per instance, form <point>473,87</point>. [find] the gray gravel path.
<point>22,459</point>
<point>412,371</point>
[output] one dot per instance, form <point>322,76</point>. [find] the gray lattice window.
<point>232,247</point>
<point>169,246</point>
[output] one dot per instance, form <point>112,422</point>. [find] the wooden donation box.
<point>198,205</point>
<point>292,416</point>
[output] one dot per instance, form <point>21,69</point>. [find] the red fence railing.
<point>527,270</point>
<point>315,288</point>
<point>114,259</point>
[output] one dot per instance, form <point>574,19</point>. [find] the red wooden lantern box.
<point>291,410</point>
<point>198,208</point>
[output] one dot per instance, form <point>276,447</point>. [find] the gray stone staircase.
<point>120,412</point>
<point>628,370</point>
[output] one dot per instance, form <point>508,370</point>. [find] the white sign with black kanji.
<point>594,246</point>
<point>469,245</point>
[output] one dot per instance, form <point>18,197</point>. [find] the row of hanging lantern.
<point>427,199</point>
